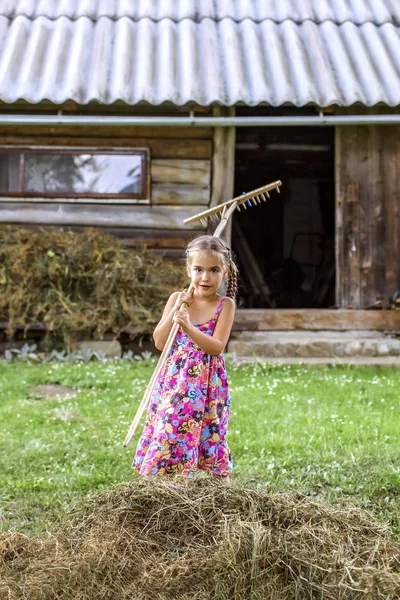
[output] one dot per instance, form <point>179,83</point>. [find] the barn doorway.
<point>285,248</point>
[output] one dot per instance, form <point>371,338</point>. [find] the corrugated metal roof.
<point>292,51</point>
<point>338,11</point>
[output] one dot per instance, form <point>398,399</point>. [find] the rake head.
<point>245,201</point>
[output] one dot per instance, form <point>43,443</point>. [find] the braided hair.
<point>209,243</point>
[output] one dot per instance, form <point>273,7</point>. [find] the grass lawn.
<point>331,433</point>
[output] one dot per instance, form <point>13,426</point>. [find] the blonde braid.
<point>232,287</point>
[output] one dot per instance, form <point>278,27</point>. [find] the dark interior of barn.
<point>285,247</point>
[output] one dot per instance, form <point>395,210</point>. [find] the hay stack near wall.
<point>164,540</point>
<point>81,285</point>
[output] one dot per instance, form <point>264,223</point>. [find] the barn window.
<point>74,173</point>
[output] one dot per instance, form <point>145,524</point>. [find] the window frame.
<point>42,197</point>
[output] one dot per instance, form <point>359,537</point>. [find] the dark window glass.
<point>55,173</point>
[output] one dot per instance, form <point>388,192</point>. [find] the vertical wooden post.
<point>338,220</point>
<point>347,217</point>
<point>223,163</point>
<point>353,244</point>
<point>391,186</point>
<point>377,286</point>
<point>366,158</point>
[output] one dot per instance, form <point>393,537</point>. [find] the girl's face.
<point>206,271</point>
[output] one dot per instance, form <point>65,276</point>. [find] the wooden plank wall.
<point>180,173</point>
<point>367,214</point>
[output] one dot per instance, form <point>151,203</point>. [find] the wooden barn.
<point>132,116</point>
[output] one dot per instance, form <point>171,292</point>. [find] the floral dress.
<point>187,417</point>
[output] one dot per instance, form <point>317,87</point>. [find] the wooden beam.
<point>159,147</point>
<point>98,215</point>
<point>134,236</point>
<point>258,319</point>
<point>391,183</point>
<point>353,244</point>
<point>377,223</point>
<point>223,163</point>
<point>112,131</point>
<point>347,218</point>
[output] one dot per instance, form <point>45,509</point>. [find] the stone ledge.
<point>304,345</point>
<point>360,361</point>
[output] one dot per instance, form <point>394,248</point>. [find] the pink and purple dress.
<point>188,413</point>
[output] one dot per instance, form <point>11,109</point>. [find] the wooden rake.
<point>221,213</point>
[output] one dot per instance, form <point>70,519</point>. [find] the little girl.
<point>187,417</point>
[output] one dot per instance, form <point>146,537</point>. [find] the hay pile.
<point>81,285</point>
<point>164,540</point>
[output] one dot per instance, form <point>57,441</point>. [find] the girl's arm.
<point>216,343</point>
<point>161,332</point>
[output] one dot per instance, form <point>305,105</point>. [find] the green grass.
<point>331,433</point>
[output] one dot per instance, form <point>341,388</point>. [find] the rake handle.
<point>161,362</point>
<point>224,219</point>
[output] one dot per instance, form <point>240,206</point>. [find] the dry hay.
<point>81,284</point>
<point>163,540</point>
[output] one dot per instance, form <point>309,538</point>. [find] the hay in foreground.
<point>197,539</point>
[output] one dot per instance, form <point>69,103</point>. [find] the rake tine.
<point>245,200</point>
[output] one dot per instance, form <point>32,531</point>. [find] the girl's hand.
<point>184,296</point>
<point>182,317</point>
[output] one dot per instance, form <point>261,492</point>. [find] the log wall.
<point>367,214</point>
<point>180,175</point>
